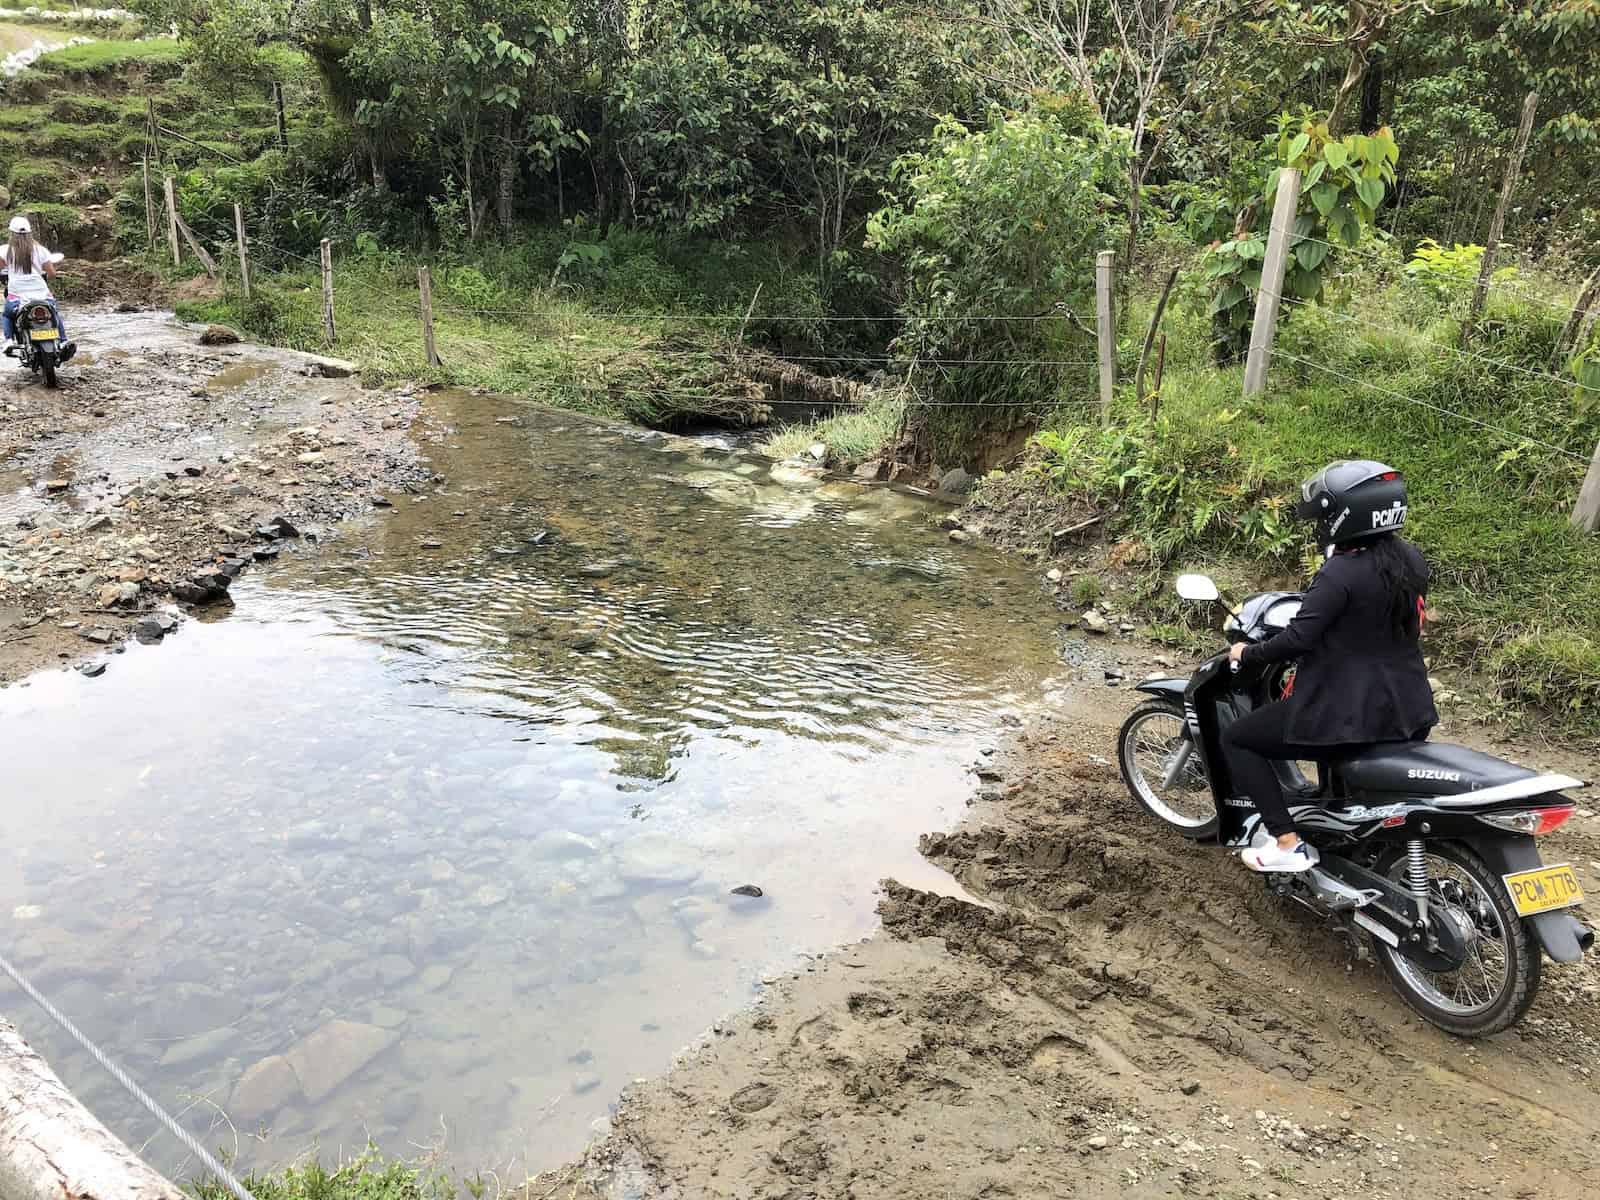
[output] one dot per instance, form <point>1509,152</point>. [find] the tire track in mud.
<point>1121,1013</point>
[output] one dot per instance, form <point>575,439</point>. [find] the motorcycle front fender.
<point>1167,689</point>
<point>1563,936</point>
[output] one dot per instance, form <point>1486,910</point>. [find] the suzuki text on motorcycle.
<point>1429,849</point>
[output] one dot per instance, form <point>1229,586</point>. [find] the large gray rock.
<point>201,1048</point>
<point>955,481</point>
<point>322,1061</point>
<point>654,859</point>
<point>263,1090</point>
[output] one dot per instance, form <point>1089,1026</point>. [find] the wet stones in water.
<point>202,1048</point>
<point>956,482</point>
<point>1095,622</point>
<point>395,969</point>
<point>99,635</point>
<point>597,570</point>
<point>278,527</point>
<point>436,977</point>
<point>153,628</point>
<point>748,889</point>
<point>263,1089</point>
<point>382,502</point>
<point>92,669</point>
<point>561,843</point>
<point>658,861</point>
<point>585,1081</point>
<point>218,335</point>
<point>264,553</point>
<point>324,1060</point>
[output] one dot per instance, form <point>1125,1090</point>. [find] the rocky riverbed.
<point>133,496</point>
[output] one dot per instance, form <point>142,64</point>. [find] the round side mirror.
<point>1197,587</point>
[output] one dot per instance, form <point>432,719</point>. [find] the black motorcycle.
<point>38,344</point>
<point>1427,848</point>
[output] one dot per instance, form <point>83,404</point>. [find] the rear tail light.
<point>39,315</point>
<point>1535,822</point>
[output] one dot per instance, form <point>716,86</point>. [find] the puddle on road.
<point>239,375</point>
<point>451,817</point>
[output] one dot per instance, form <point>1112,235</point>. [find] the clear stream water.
<point>474,783</point>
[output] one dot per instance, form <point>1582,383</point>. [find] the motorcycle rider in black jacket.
<point>1360,678</point>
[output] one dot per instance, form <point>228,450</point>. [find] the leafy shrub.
<point>996,230</point>
<point>36,180</point>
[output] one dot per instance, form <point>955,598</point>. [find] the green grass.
<point>34,180</point>
<point>366,1178</point>
<point>495,330</point>
<point>161,56</point>
<point>851,436</point>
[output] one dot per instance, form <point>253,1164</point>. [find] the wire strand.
<point>190,1143</point>
<point>1460,416</point>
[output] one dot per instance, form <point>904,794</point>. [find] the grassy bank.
<point>1208,483</point>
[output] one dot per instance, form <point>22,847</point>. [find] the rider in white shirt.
<point>30,266</point>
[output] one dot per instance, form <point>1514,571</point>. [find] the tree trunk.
<point>506,193</point>
<point>52,1148</point>
<point>380,179</point>
<point>1363,34</point>
<point>1372,97</point>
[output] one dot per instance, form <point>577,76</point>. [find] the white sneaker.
<point>1272,859</point>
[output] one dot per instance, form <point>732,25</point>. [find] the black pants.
<point>1252,743</point>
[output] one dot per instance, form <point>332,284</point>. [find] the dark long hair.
<point>1404,575</point>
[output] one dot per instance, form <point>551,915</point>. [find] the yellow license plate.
<point>42,335</point>
<point>1544,890</point>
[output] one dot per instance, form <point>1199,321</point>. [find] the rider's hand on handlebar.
<point>1235,653</point>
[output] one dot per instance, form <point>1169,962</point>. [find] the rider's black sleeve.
<point>1327,597</point>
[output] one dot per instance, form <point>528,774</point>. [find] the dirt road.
<point>1121,1014</point>
<point>161,469</point>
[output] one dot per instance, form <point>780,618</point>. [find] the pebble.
<point>587,1081</point>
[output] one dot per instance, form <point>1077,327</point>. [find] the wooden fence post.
<point>1270,294</point>
<point>1498,223</point>
<point>1571,337</point>
<point>172,222</point>
<point>1586,513</point>
<point>149,205</point>
<point>283,125</point>
<point>244,253</point>
<point>425,292</point>
<point>327,290</point>
<point>152,129</point>
<point>1105,324</point>
<point>1150,336</point>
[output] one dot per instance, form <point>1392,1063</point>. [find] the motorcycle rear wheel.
<point>48,366</point>
<point>1154,732</point>
<point>1494,988</point>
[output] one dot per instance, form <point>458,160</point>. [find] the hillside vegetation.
<point>653,208</point>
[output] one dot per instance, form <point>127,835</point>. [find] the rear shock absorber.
<point>1417,875</point>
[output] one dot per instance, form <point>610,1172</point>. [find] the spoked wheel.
<point>1495,984</point>
<point>1163,770</point>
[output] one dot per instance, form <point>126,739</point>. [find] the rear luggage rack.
<point>1519,789</point>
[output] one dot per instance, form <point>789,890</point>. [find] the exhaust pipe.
<point>1585,939</point>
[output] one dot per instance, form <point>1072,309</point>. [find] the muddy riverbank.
<point>1118,1013</point>
<point>162,469</point>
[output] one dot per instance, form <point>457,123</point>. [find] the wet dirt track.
<point>156,462</point>
<point>1129,1015</point>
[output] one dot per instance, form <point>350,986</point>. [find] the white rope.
<point>240,1192</point>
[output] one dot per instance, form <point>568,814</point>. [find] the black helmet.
<point>1350,501</point>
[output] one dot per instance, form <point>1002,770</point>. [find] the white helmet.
<point>20,225</point>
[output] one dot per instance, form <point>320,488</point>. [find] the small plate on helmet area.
<point>1544,889</point>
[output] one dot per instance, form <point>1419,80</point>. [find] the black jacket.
<point>1360,678</point>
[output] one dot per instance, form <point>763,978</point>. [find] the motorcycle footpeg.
<point>1336,894</point>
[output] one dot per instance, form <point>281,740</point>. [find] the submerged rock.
<point>264,1089</point>
<point>202,1047</point>
<point>323,1060</point>
<point>657,860</point>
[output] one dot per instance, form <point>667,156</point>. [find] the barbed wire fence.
<point>239,262</point>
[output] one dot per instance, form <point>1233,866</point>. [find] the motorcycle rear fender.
<point>1167,689</point>
<point>1563,936</point>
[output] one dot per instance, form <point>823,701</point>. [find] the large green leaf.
<point>1325,196</point>
<point>1298,146</point>
<point>1336,154</point>
<point>1311,255</point>
<point>1371,192</point>
<point>1303,284</point>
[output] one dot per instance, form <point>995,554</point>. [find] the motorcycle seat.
<point>1426,769</point>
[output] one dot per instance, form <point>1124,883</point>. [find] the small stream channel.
<point>450,812</point>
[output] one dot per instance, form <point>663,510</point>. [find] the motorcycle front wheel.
<point>1495,985</point>
<point>1153,747</point>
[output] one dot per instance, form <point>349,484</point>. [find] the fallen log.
<point>52,1147</point>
